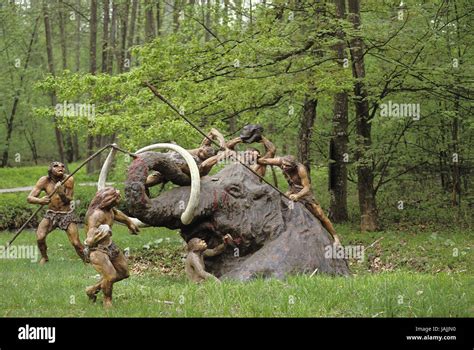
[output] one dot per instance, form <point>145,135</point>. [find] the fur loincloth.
<point>111,250</point>
<point>60,219</point>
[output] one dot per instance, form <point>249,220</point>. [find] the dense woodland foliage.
<point>378,91</point>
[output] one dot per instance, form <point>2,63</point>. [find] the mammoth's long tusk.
<point>188,214</point>
<point>105,169</point>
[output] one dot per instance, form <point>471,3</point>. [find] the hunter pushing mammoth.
<point>299,189</point>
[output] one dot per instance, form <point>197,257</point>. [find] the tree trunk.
<point>306,131</point>
<point>338,144</point>
<point>207,20</point>
<point>124,9</point>
<point>456,191</point>
<point>78,38</point>
<point>69,148</point>
<point>131,33</point>
<point>92,70</point>
<point>250,13</point>
<point>365,175</point>
<point>456,175</point>
<point>105,35</point>
<point>93,38</point>
<point>176,10</point>
<point>107,64</point>
<point>75,147</point>
<point>108,37</point>
<point>139,24</point>
<point>49,52</point>
<point>112,39</point>
<point>149,22</point>
<point>69,153</point>
<point>30,139</point>
<point>444,158</point>
<point>62,34</point>
<point>159,19</point>
<point>78,43</point>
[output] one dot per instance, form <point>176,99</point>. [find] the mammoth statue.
<point>273,236</point>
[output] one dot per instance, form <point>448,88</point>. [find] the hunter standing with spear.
<point>60,213</point>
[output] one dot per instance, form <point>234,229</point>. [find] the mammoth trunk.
<point>168,209</point>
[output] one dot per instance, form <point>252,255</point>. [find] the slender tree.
<point>123,14</point>
<point>131,32</point>
<point>338,156</point>
<point>105,35</point>
<point>49,52</point>
<point>150,32</point>
<point>365,174</point>
<point>306,131</point>
<point>92,70</point>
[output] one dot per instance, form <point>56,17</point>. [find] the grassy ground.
<point>405,274</point>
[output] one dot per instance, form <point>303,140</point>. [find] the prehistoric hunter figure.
<point>300,189</point>
<point>102,252</point>
<point>60,213</point>
<point>250,133</point>
<point>197,251</point>
<point>251,155</point>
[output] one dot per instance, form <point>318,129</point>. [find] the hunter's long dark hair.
<point>103,199</point>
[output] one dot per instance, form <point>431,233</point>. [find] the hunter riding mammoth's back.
<point>273,236</point>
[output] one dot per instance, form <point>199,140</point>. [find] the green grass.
<point>414,250</point>
<point>412,287</point>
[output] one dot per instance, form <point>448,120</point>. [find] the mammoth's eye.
<point>234,190</point>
